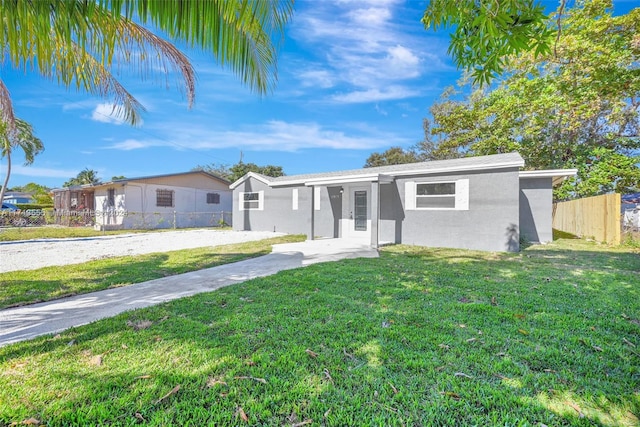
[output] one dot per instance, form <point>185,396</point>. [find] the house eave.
<point>248,175</point>
<point>557,175</point>
<point>470,168</point>
<point>373,177</point>
<point>376,177</point>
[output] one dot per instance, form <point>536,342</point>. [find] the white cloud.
<point>380,110</point>
<point>109,113</point>
<point>367,47</point>
<point>317,78</point>
<point>79,105</point>
<point>33,171</point>
<point>400,58</point>
<point>273,135</point>
<point>370,17</point>
<point>374,95</point>
<point>137,144</point>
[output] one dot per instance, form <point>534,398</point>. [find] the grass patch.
<point>550,336</point>
<point>59,232</point>
<point>48,283</point>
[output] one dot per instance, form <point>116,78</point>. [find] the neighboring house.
<point>15,197</point>
<point>628,201</point>
<point>483,203</point>
<point>188,199</point>
<point>630,206</point>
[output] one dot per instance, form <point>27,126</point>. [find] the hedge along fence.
<point>596,217</point>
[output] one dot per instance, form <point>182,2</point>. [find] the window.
<point>448,195</point>
<point>164,198</point>
<point>360,210</point>
<point>251,201</point>
<point>436,195</point>
<point>213,198</point>
<point>294,199</point>
<point>111,197</point>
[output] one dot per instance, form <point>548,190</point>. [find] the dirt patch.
<point>33,254</point>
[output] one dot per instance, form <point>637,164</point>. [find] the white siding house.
<point>189,199</point>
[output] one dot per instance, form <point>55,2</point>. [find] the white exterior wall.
<point>106,215</point>
<point>135,207</point>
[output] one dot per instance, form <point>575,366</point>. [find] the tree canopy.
<point>240,169</point>
<point>85,177</point>
<point>577,107</point>
<point>392,156</point>
<point>487,32</point>
<point>41,193</point>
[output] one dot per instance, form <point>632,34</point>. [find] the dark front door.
<point>360,211</point>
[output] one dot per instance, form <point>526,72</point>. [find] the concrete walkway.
<point>23,323</point>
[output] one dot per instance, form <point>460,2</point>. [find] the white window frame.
<point>461,195</point>
<point>260,201</point>
<point>294,199</point>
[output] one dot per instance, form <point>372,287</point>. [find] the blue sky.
<point>353,77</point>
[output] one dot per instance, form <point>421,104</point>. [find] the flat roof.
<point>388,173</point>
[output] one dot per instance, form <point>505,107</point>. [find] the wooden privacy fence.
<point>596,217</point>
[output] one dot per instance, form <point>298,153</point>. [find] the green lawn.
<point>550,336</point>
<point>58,232</point>
<point>45,284</point>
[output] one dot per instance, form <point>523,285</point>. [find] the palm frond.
<point>242,34</point>
<point>91,75</point>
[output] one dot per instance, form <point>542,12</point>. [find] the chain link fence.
<point>114,220</point>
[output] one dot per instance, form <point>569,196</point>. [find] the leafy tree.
<point>39,192</point>
<point>487,32</point>
<point>34,188</point>
<point>240,169</point>
<point>392,156</point>
<point>421,152</point>
<point>575,108</point>
<point>19,135</point>
<point>118,177</point>
<point>219,169</point>
<point>267,170</point>
<point>85,177</point>
<point>78,43</point>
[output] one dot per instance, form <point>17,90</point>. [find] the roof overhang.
<point>248,175</point>
<point>339,180</point>
<point>390,176</point>
<point>383,177</point>
<point>556,175</point>
<point>461,168</point>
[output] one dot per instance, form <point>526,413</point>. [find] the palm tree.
<point>88,176</point>
<point>85,176</point>
<point>78,42</point>
<point>20,135</point>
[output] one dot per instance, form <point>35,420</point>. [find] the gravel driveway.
<point>33,254</point>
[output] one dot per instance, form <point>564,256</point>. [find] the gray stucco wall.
<point>490,224</point>
<point>391,214</point>
<point>278,213</point>
<point>536,204</point>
